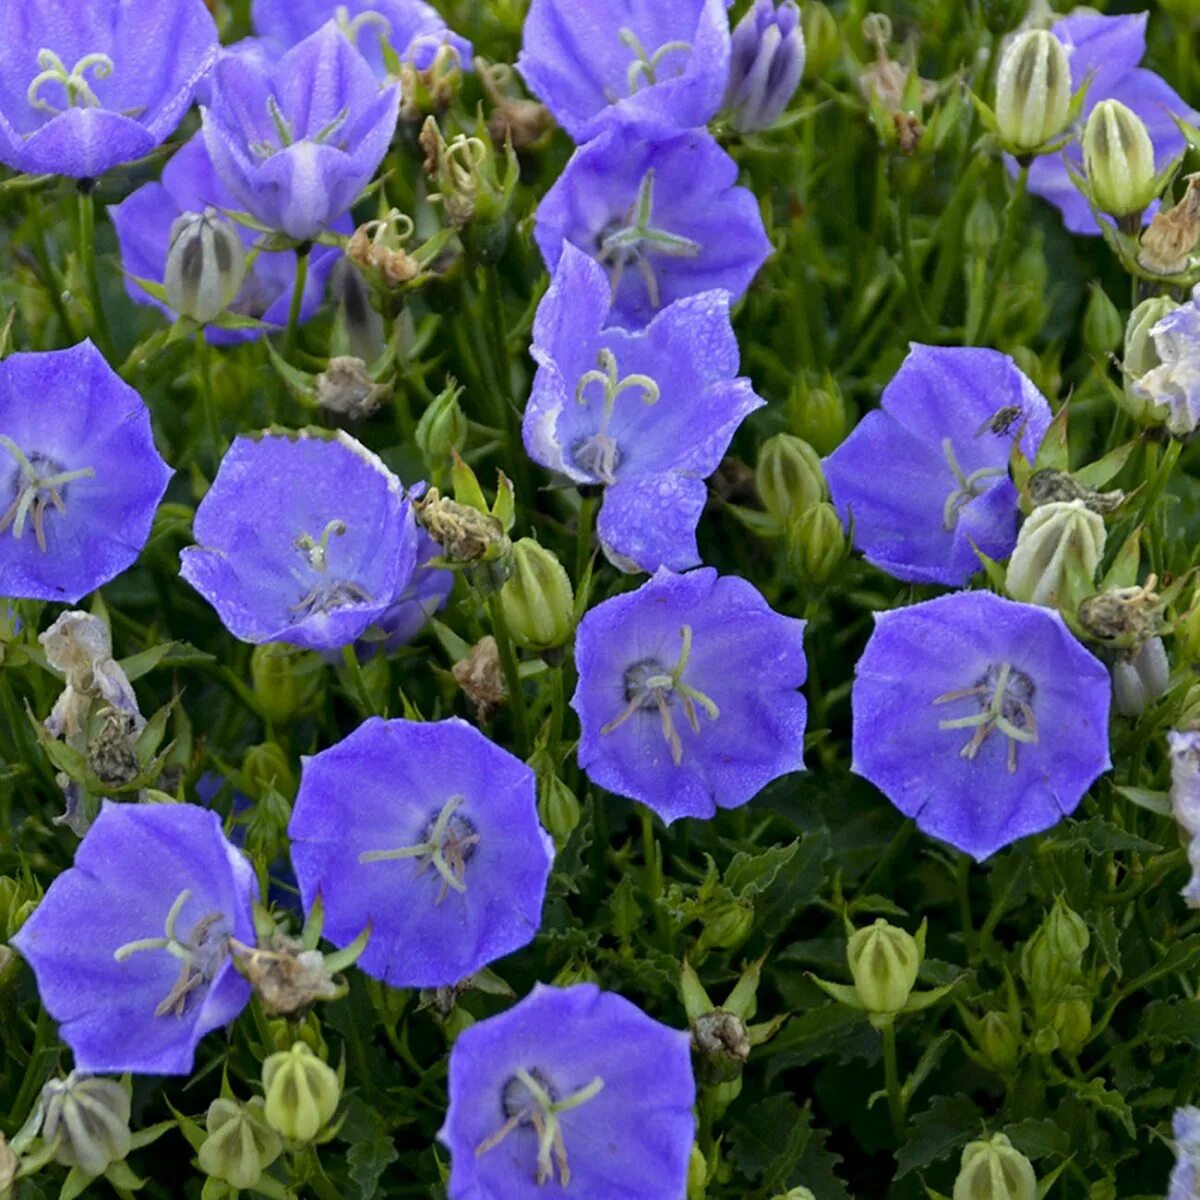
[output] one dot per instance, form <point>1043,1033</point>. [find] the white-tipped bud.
<point>206,264</point>
<point>995,1170</point>
<point>1118,156</point>
<point>1058,550</point>
<point>1033,91</point>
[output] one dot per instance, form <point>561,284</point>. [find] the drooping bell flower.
<point>303,538</point>
<point>571,1092</point>
<point>924,478</point>
<point>85,87</point>
<point>667,62</point>
<point>687,693</point>
<point>428,833</point>
<point>130,946</point>
<point>661,211</point>
<point>981,718</point>
<point>80,477</point>
<point>647,415</point>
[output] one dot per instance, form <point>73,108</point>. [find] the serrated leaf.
<point>1105,1100</point>
<point>1172,1021</point>
<point>750,874</point>
<point>768,1145</point>
<point>1038,1139</point>
<point>367,1161</point>
<point>1100,836</point>
<point>944,1126</point>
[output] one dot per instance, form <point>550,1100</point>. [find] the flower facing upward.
<point>647,415</point>
<point>982,719</point>
<point>571,1092</point>
<point>302,538</point>
<point>85,87</point>
<point>80,477</point>
<point>925,477</point>
<point>131,945</point>
<point>666,62</point>
<point>687,693</point>
<point>296,145</point>
<point>428,833</point>
<point>659,210</point>
<point>1185,1178</point>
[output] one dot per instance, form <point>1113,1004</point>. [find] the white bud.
<point>1033,90</point>
<point>1060,544</point>
<point>1118,156</point>
<point>206,264</point>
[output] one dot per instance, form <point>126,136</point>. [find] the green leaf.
<point>768,1146</point>
<point>367,1161</point>
<point>750,874</point>
<point>944,1126</point>
<point>1100,836</point>
<point>1113,1104</point>
<point>1171,1021</point>
<point>1155,802</point>
<point>1038,1139</point>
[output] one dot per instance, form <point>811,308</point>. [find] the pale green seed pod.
<point>998,1039</point>
<point>816,544</point>
<point>1072,1021</point>
<point>301,1091</point>
<point>537,599</point>
<point>442,430</point>
<point>883,962</point>
<point>789,477</point>
<point>1103,329</point>
<point>286,680</point>
<point>206,264</point>
<point>1118,156</point>
<point>995,1170</point>
<point>1053,958</point>
<point>1033,91</point>
<point>239,1146</point>
<point>1057,553</point>
<point>558,809</point>
<point>89,1118</point>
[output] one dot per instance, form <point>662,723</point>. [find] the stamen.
<point>644,68</point>
<point>74,82</point>
<point>351,27</point>
<point>598,453</point>
<point>1007,709</point>
<point>35,493</point>
<point>316,551</point>
<point>968,485</point>
<point>447,848</point>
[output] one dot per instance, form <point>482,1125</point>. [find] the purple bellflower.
<point>1108,50</point>
<point>80,477</point>
<point>1185,1178</point>
<point>131,945</point>
<point>982,719</point>
<point>1184,750</point>
<point>925,477</point>
<point>190,185</point>
<point>413,29</point>
<point>1173,386</point>
<point>302,538</point>
<point>427,592</point>
<point>571,1092</point>
<point>687,693</point>
<point>659,210</point>
<point>766,64</point>
<point>85,87</point>
<point>665,62</point>
<point>428,833</point>
<point>297,145</point>
<point>647,415</point>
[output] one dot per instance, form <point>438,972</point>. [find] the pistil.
<point>34,493</point>
<point>969,486</point>
<point>598,453</point>
<point>447,848</point>
<point>1007,708</point>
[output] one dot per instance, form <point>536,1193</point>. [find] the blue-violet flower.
<point>766,64</point>
<point>1184,749</point>
<point>1185,1177</point>
<point>1173,386</point>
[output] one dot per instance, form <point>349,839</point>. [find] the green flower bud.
<point>558,809</point>
<point>576,972</point>
<point>1072,1021</point>
<point>1118,156</point>
<point>995,1170</point>
<point>797,1193</point>
<point>1053,958</point>
<point>883,962</point>
<point>982,229</point>
<point>265,766</point>
<point>301,1091</point>
<point>206,264</point>
<point>1057,553</point>
<point>239,1146</point>
<point>789,477</point>
<point>286,680</point>
<point>728,927</point>
<point>816,544</point>
<point>537,598</point>
<point>697,1176</point>
<point>89,1119</point>
<point>442,430</point>
<point>822,38</point>
<point>1103,329</point>
<point>1033,91</point>
<point>999,1040</point>
<point>820,417</point>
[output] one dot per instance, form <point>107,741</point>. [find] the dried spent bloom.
<point>1106,50</point>
<point>1184,749</point>
<point>981,718</point>
<point>481,678</point>
<point>1172,388</point>
<point>660,211</point>
<point>1185,1177</point>
<point>428,833</point>
<point>302,538</point>
<point>80,477</point>
<point>1168,244</point>
<point>346,389</point>
<point>765,65</point>
<point>144,222</point>
<point>87,88</point>
<point>297,145</point>
<point>687,693</point>
<point>647,415</point>
<point>924,479</point>
<point>130,946</point>
<point>411,29</point>
<point>79,646</point>
<point>572,1091</point>
<point>590,62</point>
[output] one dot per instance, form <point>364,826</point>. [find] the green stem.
<point>908,261</point>
<point>87,257</point>
<point>583,535</point>
<point>891,1076</point>
<point>651,855</point>
<point>293,325</point>
<point>963,874</point>
<point>1003,253</point>
<point>204,362</point>
<point>356,683</point>
<point>511,670</point>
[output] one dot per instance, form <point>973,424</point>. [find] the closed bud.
<point>576,972</point>
<point>1053,958</point>
<point>442,430</point>
<point>1058,550</point>
<point>265,766</point>
<point>240,1145</point>
<point>206,264</point>
<point>982,229</point>
<point>1072,1021</point>
<point>789,477</point>
<point>346,389</point>
<point>816,544</point>
<point>995,1170</point>
<point>728,926</point>
<point>1141,354</point>
<point>1118,156</point>
<point>884,961</point>
<point>558,808</point>
<point>796,1193</point>
<point>537,599</point>
<point>822,38</point>
<point>358,329</point>
<point>1103,329</point>
<point>999,1040</point>
<point>721,1045</point>
<point>301,1091</point>
<point>765,65</point>
<point>1141,680</point>
<point>1033,91</point>
<point>89,1119</point>
<point>286,680</point>
<point>820,417</point>
<point>697,1176</point>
